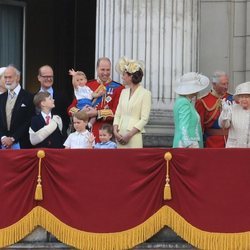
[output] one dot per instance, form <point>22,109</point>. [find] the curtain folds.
<point>113,199</point>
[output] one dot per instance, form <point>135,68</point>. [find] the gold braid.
<point>215,107</point>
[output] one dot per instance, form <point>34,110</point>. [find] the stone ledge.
<point>164,239</point>
<point>160,129</point>
<point>171,245</point>
<point>39,245</point>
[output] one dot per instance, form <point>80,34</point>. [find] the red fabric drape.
<point>210,188</point>
<point>115,190</point>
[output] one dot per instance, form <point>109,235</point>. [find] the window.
<point>12,30</point>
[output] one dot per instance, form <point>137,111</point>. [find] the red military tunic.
<point>105,105</point>
<point>209,109</point>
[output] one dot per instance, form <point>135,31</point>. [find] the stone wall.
<point>224,34</point>
<point>41,239</point>
<point>160,129</point>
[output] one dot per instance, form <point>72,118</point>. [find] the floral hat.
<point>191,83</point>
<point>128,65</point>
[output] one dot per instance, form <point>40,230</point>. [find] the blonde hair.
<point>40,97</point>
<point>78,73</point>
<point>81,115</point>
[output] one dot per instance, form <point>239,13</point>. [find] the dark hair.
<point>81,115</point>
<point>40,97</point>
<point>108,127</point>
<point>136,77</point>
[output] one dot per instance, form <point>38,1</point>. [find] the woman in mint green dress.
<point>188,132</point>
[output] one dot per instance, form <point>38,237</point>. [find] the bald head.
<point>45,76</point>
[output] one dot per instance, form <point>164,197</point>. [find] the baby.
<point>83,93</point>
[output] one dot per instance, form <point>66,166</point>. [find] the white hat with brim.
<point>191,83</point>
<point>2,70</point>
<point>242,89</point>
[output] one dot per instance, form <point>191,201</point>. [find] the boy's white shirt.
<point>79,140</point>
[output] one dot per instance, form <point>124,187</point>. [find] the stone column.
<point>225,39</point>
<point>240,42</point>
<point>163,34</point>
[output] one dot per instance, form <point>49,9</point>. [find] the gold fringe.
<point>39,190</point>
<point>125,239</point>
<point>167,188</point>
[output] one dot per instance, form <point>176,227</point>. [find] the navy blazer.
<point>22,112</point>
<point>61,105</point>
<point>54,140</point>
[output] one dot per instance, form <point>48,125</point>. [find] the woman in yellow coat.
<point>133,109</point>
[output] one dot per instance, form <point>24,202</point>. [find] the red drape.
<point>105,191</point>
<point>210,188</point>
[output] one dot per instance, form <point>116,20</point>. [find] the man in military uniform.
<point>104,107</point>
<point>209,109</point>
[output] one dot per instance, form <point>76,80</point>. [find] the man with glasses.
<point>46,79</point>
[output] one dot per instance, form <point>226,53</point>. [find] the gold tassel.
<point>167,192</point>
<point>39,190</point>
<point>167,188</point>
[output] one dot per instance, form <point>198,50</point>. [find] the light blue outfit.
<point>188,132</point>
<point>14,146</point>
<point>108,144</point>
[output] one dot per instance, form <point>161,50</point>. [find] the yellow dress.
<point>132,112</point>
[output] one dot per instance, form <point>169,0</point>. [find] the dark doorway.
<point>60,33</point>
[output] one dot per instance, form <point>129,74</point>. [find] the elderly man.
<point>16,110</point>
<point>104,107</point>
<point>46,79</point>
<point>209,109</point>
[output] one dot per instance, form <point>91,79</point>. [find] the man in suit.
<point>46,79</point>
<point>16,110</point>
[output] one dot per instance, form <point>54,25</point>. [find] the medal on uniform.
<point>108,99</point>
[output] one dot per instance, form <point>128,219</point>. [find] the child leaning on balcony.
<point>106,137</point>
<point>81,138</point>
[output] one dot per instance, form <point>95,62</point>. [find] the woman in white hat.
<point>133,109</point>
<point>188,132</point>
<point>236,117</point>
<point>2,83</point>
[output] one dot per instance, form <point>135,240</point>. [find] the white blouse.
<point>238,122</point>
